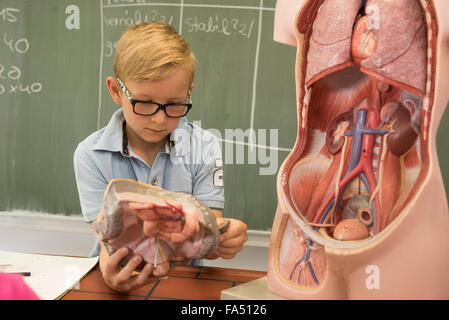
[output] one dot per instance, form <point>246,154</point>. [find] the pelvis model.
<point>362,211</point>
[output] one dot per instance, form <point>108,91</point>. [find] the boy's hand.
<point>124,279</point>
<point>231,242</point>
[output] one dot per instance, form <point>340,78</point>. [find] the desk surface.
<point>183,282</point>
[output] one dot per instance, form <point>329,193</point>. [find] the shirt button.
<point>154,181</point>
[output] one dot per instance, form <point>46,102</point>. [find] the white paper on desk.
<point>51,276</point>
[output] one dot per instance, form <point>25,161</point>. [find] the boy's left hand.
<point>231,242</point>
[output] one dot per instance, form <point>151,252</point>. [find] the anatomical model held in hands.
<point>161,226</point>
<point>362,210</point>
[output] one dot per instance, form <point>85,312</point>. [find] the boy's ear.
<point>191,88</point>
<point>114,89</point>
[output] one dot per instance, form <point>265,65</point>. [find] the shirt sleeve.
<point>208,186</point>
<point>90,182</point>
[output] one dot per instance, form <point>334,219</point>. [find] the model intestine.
<point>365,88</point>
<point>161,226</point>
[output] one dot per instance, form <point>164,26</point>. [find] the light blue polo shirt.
<point>191,162</point>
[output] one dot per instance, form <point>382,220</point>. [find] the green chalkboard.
<point>56,54</point>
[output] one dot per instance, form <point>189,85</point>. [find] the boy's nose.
<point>159,117</point>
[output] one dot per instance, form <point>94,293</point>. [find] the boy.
<point>150,140</point>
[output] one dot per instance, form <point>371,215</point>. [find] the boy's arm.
<point>90,182</point>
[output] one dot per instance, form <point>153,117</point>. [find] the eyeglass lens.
<point>170,110</point>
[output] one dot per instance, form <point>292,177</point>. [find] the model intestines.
<point>160,226</point>
<point>168,221</point>
<point>361,157</point>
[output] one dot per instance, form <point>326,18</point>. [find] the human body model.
<point>362,210</point>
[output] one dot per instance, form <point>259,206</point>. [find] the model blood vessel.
<point>362,210</point>
<point>159,225</point>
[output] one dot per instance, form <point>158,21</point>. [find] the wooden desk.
<point>184,282</point>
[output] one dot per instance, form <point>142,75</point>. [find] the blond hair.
<point>151,51</point>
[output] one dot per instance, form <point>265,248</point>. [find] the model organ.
<point>362,211</point>
<point>161,226</point>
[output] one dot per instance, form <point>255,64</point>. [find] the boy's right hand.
<point>124,279</point>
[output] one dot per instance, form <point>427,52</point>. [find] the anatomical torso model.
<point>362,211</point>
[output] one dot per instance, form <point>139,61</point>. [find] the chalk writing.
<point>14,73</point>
<point>125,1</point>
<point>110,48</point>
<point>135,18</point>
<point>19,46</point>
<point>9,15</point>
<point>225,25</point>
<point>11,81</point>
<point>10,72</point>
<point>36,87</point>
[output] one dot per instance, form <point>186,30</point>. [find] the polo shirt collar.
<point>114,137</point>
<point>111,138</point>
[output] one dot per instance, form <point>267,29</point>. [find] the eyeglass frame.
<point>160,106</point>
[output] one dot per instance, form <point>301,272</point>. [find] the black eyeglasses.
<point>149,108</point>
